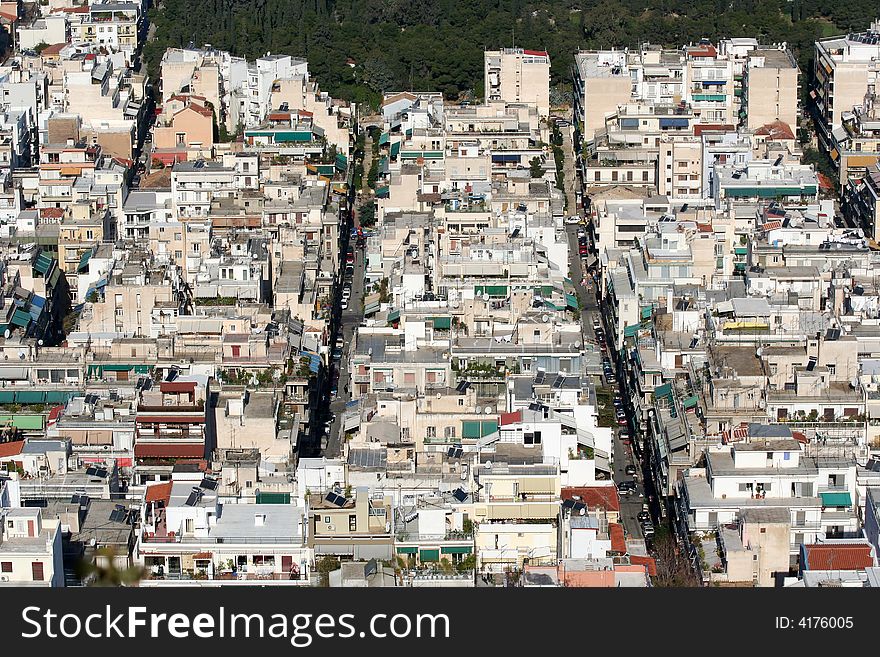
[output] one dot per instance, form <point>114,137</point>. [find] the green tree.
<point>536,167</point>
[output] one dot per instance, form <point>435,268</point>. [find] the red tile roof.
<point>776,130</point>
<point>838,556</point>
<point>54,49</point>
<point>595,497</point>
<point>649,562</point>
<point>12,448</point>
<point>618,542</point>
<point>169,451</point>
<point>702,50</point>
<point>51,213</point>
<point>158,492</point>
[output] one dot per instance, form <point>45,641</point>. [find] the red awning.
<point>177,386</point>
<point>169,419</point>
<point>158,492</point>
<point>169,451</point>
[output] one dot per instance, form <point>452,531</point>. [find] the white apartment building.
<point>515,75</point>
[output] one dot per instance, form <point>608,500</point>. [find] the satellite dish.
<point>21,355</point>
<point>454,303</point>
<point>39,343</point>
<point>759,352</point>
<point>488,410</point>
<point>7,333</point>
<point>485,296</point>
<point>545,318</point>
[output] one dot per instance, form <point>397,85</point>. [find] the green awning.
<point>741,250</point>
<point>58,397</point>
<point>478,428</point>
<point>836,499</point>
<point>646,312</point>
<point>444,323</point>
<point>20,318</point>
<point>84,260</point>
<point>25,422</point>
<point>273,498</point>
<point>42,263</point>
<point>7,396</point>
<point>395,149</point>
<point>383,192</point>
<point>341,162</point>
<point>394,315</point>
<point>491,290</point>
<point>465,549</point>
<point>407,550</point>
<point>631,330</point>
<point>664,391</point>
<point>690,401</point>
<point>429,555</point>
<point>126,367</point>
<point>571,301</point>
<point>384,138</point>
<point>30,397</point>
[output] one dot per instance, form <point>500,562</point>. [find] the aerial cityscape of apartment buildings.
<point>253,333</point>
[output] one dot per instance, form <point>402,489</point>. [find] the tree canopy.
<point>438,44</point>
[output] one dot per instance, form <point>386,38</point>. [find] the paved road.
<point>351,319</point>
<point>630,505</point>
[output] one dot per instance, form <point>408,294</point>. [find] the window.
<point>190,526</point>
<point>5,567</point>
<point>430,432</point>
<point>449,432</point>
<point>248,484</point>
<point>326,520</point>
<point>352,523</point>
<point>461,402</point>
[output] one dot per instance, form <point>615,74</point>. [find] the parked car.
<point>630,469</point>
<point>627,487</point>
<point>573,219</point>
<point>648,529</point>
<point>345,304</point>
<point>643,517</point>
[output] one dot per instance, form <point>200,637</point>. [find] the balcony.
<point>171,537</point>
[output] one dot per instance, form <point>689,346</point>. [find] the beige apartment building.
<point>515,75</point>
<point>357,525</point>
<point>680,167</point>
<point>185,121</point>
<point>601,83</point>
<point>845,67</point>
<point>770,88</point>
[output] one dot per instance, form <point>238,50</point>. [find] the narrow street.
<point>632,504</point>
<point>351,319</point>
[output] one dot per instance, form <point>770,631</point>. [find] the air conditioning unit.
<point>4,578</point>
<point>331,528</point>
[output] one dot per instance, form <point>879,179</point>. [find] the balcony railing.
<point>146,537</point>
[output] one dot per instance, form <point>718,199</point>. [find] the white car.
<point>573,219</point>
<point>345,304</point>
